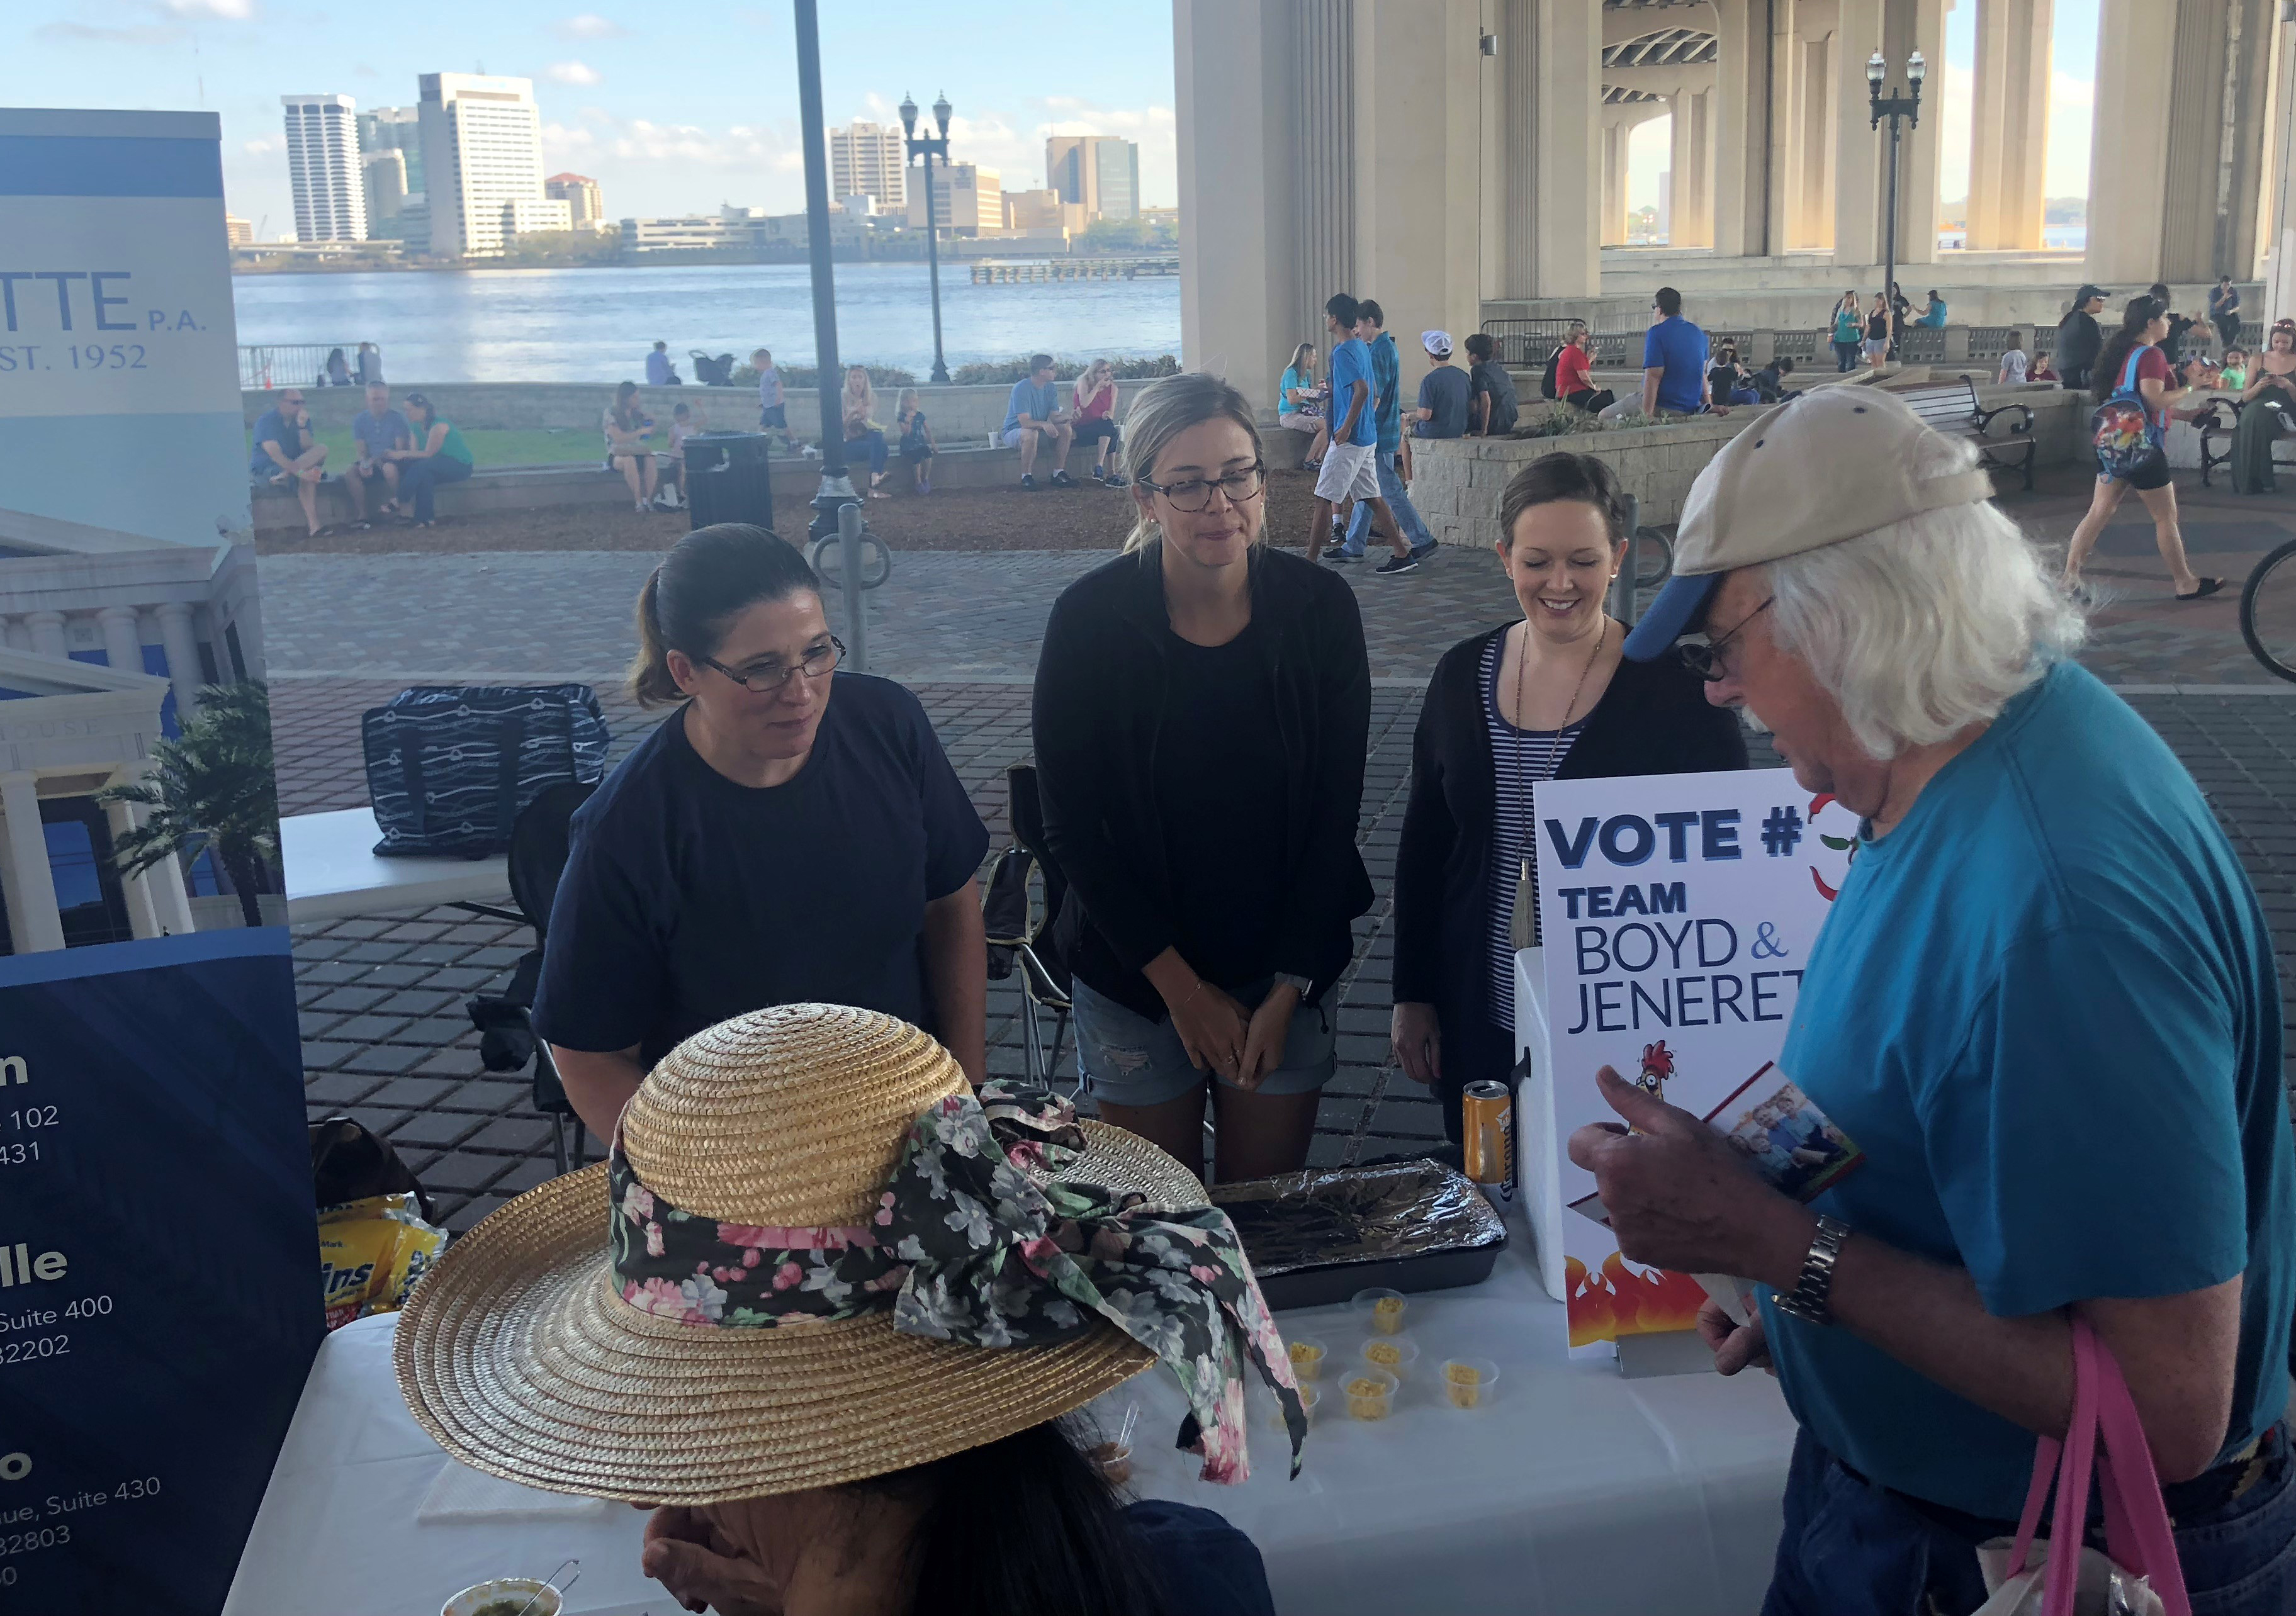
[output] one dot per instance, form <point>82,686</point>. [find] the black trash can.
<point>728,479</point>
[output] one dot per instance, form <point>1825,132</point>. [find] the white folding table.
<point>332,872</point>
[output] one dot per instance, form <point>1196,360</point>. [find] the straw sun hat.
<point>519,1354</point>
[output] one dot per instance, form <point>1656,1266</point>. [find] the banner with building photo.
<point>1677,911</point>
<point>158,1305</point>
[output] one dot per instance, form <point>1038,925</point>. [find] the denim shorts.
<point>1128,1060</point>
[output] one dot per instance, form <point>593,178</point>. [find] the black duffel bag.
<point>449,766</point>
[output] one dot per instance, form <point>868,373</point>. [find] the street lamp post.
<point>1901,111</point>
<point>930,146</point>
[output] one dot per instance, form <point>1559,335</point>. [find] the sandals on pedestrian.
<point>2208,586</point>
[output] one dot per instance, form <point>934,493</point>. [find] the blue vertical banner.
<point>159,1302</point>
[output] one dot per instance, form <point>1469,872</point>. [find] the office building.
<point>584,203</point>
<point>1099,172</point>
<point>869,159</point>
<point>394,129</point>
<point>535,215</point>
<point>481,151</point>
<point>967,200</point>
<point>384,176</point>
<point>323,169</point>
<point>237,231</point>
<point>1042,211</point>
<point>744,230</point>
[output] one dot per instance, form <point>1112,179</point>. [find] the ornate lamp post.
<point>1901,111</point>
<point>930,146</point>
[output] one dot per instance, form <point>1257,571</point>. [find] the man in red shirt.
<point>1574,372</point>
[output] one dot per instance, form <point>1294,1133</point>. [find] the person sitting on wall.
<point>1035,423</point>
<point>1443,391</point>
<point>629,444</point>
<point>660,372</point>
<point>1574,372</point>
<point>377,429</point>
<point>1095,397</point>
<point>1770,380</point>
<point>286,453</point>
<point>1492,407</point>
<point>1673,365</point>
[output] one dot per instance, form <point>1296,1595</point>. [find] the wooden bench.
<point>2218,422</point>
<point>1954,410</point>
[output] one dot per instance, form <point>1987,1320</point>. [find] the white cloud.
<point>258,148</point>
<point>572,72</point>
<point>589,25</point>
<point>220,10</point>
<point>363,71</point>
<point>1013,143</point>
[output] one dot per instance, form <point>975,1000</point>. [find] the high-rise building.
<point>237,231</point>
<point>1042,210</point>
<point>384,176</point>
<point>966,200</point>
<point>395,129</point>
<point>481,150</point>
<point>584,203</point>
<point>323,169</point>
<point>868,160</point>
<point>1100,172</point>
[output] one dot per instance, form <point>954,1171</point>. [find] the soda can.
<point>1486,1123</point>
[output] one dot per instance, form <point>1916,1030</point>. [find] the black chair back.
<point>540,842</point>
<point>1027,811</point>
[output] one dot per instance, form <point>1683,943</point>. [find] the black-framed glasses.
<point>767,677</point>
<point>1705,659</point>
<point>1196,494</point>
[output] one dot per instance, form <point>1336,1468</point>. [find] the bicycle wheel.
<point>1645,543</point>
<point>828,558</point>
<point>2268,611</point>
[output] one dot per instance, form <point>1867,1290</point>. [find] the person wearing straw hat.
<point>824,1308</point>
<point>790,832</point>
<point>2044,1004</point>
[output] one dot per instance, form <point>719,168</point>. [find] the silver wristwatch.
<point>1809,1299</point>
<point>1300,985</point>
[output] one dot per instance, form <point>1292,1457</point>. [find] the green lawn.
<point>542,447</point>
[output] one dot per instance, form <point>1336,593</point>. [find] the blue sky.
<point>672,108</point>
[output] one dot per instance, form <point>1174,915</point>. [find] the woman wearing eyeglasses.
<point>1202,710</point>
<point>1548,698</point>
<point>788,835</point>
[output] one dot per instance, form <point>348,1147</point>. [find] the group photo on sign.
<point>854,834</point>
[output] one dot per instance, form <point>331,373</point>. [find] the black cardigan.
<point>1099,703</point>
<point>1653,719</point>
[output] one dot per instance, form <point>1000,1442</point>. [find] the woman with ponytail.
<point>789,833</point>
<point>2134,364</point>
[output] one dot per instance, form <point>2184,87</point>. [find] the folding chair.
<point>540,843</point>
<point>1020,928</point>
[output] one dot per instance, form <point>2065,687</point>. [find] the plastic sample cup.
<point>1381,1310</point>
<point>1308,1398</point>
<point>1393,1354</point>
<point>1468,1382</point>
<point>1307,1358</point>
<point>1370,1393</point>
<point>512,1593</point>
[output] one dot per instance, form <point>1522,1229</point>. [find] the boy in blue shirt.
<point>1350,469</point>
<point>1386,415</point>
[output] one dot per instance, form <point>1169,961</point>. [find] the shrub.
<point>806,378</point>
<point>992,372</point>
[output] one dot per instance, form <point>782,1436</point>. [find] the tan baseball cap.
<point>1828,465</point>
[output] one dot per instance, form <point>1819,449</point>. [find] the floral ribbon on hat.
<point>974,1242</point>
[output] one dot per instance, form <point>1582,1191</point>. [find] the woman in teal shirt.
<point>1849,327</point>
<point>1299,403</point>
<point>438,455</point>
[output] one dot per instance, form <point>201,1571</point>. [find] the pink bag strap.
<point>2067,1524</point>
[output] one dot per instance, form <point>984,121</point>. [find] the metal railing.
<point>276,365</point>
<point>1525,344</point>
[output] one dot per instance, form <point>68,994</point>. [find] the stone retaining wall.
<point>1458,481</point>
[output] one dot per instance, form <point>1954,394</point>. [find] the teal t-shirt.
<point>2045,1006</point>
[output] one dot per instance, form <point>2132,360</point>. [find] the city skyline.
<point>621,97</point>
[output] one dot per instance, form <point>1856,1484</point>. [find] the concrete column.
<point>1234,86</point>
<point>1744,113</point>
<point>47,630</point>
<point>171,900</point>
<point>1615,136</point>
<point>34,924</point>
<point>2011,118</point>
<point>123,641</point>
<point>1816,140</point>
<point>183,651</point>
<point>1858,175</point>
<point>143,918</point>
<point>1691,221</point>
<point>1911,25</point>
<point>1550,86</point>
<point>2129,156</point>
<point>15,634</point>
<point>2278,227</point>
<point>1417,149</point>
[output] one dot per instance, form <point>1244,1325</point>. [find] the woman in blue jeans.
<point>438,455</point>
<point>1202,710</point>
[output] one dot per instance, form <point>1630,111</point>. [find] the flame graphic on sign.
<point>1838,843</point>
<point>1625,1298</point>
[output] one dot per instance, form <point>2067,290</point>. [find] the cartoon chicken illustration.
<point>1658,1066</point>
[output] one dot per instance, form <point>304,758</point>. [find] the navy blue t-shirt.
<point>689,899</point>
<point>1206,1566</point>
<point>1445,389</point>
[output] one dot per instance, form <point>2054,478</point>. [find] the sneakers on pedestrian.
<point>1116,480</point>
<point>1419,553</point>
<point>1027,482</point>
<point>1343,555</point>
<point>1396,566</point>
<point>1062,480</point>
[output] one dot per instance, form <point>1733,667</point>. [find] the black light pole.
<point>928,147</point>
<point>836,487</point>
<point>1895,108</point>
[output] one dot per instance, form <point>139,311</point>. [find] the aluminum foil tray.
<point>1319,1236</point>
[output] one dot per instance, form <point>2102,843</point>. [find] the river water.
<point>597,325</point>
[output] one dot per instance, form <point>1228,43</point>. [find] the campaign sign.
<point>159,1303</point>
<point>1677,911</point>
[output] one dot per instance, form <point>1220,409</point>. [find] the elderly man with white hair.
<point>2045,1004</point>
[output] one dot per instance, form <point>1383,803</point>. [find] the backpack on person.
<point>2123,429</point>
<point>449,766</point>
<point>1546,377</point>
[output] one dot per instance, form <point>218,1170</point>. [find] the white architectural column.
<point>183,648</point>
<point>123,640</point>
<point>47,631</point>
<point>1814,137</point>
<point>1744,127</point>
<point>2278,225</point>
<point>1858,156</point>
<point>142,917</point>
<point>171,900</point>
<point>35,924</point>
<point>2010,125</point>
<point>1616,133</point>
<point>1910,26</point>
<point>1550,85</point>
<point>2129,156</point>
<point>15,634</point>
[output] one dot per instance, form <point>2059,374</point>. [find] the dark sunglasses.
<point>1705,659</point>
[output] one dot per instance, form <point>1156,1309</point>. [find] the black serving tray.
<point>1319,1236</point>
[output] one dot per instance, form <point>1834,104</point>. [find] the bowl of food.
<point>1370,1393</point>
<point>505,1597</point>
<point>1394,1354</point>
<point>1380,1310</point>
<point>1468,1382</point>
<point>1307,1358</point>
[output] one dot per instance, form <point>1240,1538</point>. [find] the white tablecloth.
<point>332,872</point>
<point>1575,1493</point>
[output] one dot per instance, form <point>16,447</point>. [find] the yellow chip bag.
<point>371,1253</point>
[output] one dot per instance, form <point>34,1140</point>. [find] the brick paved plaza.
<point>386,1041</point>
